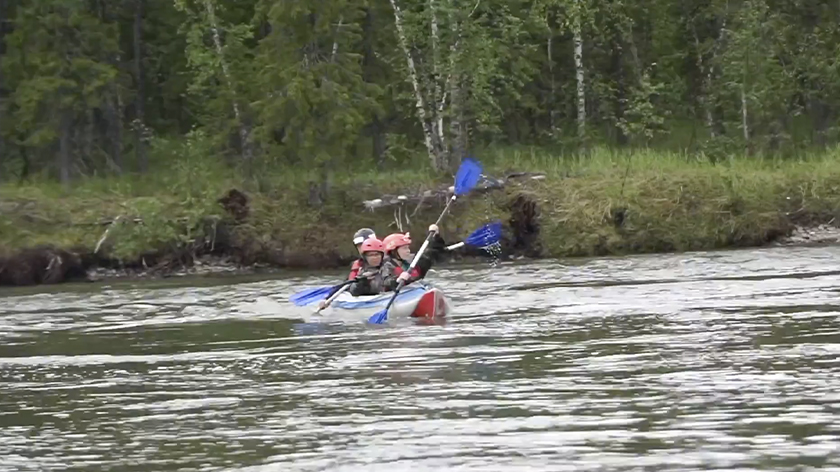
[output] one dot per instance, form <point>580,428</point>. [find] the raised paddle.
<point>483,237</point>
<point>465,179</point>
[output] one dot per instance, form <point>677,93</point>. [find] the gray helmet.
<point>362,235</point>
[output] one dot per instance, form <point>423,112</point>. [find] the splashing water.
<point>495,251</point>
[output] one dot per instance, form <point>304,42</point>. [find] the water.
<point>703,361</point>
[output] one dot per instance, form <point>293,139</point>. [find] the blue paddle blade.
<point>467,177</point>
<point>379,317</point>
<point>305,297</point>
<point>488,234</point>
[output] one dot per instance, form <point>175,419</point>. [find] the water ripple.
<point>701,361</point>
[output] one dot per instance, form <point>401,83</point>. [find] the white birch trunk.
<point>552,113</point>
<point>579,73</point>
<point>420,103</point>
<point>438,98</point>
<point>335,43</point>
<point>704,99</point>
<point>244,132</point>
<point>744,121</point>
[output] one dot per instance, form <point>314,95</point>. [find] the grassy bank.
<point>607,203</point>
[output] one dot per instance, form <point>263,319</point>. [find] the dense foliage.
<point>99,87</point>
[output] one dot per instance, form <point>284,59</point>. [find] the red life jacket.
<point>415,274</point>
<point>354,269</point>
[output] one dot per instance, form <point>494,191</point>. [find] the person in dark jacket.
<point>398,258</point>
<point>369,280</point>
<point>360,237</point>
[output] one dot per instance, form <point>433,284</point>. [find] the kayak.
<point>417,300</point>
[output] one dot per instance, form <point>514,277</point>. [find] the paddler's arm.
<point>364,285</point>
<point>389,277</point>
<point>436,246</point>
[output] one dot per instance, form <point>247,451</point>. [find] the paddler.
<point>360,237</point>
<point>398,260</point>
<point>369,278</point>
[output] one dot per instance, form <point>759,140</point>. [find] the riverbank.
<point>202,218</point>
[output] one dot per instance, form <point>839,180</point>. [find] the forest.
<point>97,88</point>
<point>150,133</point>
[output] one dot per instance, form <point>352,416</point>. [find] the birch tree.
<point>217,54</point>
<point>752,74</point>
<point>449,60</point>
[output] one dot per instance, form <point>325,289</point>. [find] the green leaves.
<point>328,84</point>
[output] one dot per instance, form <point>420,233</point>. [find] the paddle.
<point>483,237</point>
<point>335,295</point>
<point>305,297</point>
<point>465,179</point>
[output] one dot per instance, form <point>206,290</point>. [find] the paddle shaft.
<point>419,253</point>
<point>335,295</point>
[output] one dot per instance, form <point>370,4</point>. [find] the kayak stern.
<point>431,305</point>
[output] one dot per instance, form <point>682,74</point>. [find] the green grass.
<point>675,202</point>
<point>671,201</point>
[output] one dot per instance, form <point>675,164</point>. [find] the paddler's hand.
<point>403,277</point>
<point>433,228</point>
<point>322,304</point>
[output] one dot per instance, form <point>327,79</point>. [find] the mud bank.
<point>661,205</point>
<point>230,246</point>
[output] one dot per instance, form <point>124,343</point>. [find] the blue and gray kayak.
<point>417,300</point>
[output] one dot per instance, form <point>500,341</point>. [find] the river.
<point>700,361</point>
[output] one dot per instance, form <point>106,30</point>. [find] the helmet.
<point>372,245</point>
<point>363,234</point>
<point>396,240</point>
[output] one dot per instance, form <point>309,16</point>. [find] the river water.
<point>700,361</point>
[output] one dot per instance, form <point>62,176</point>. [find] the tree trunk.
<point>580,75</point>
<point>335,42</point>
<point>552,96</point>
<point>377,128</point>
<point>115,125</point>
<point>744,121</point>
<point>3,20</point>
<point>420,105</point>
<point>139,124</point>
<point>112,132</point>
<point>456,122</point>
<point>64,142</point>
<point>380,146</point>
<point>619,72</point>
<point>707,81</point>
<point>244,131</point>
<point>438,98</point>
<point>87,132</point>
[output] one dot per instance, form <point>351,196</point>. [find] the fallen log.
<point>442,193</point>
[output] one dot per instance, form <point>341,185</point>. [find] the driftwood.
<point>440,194</point>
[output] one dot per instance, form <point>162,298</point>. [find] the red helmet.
<point>372,245</point>
<point>396,240</point>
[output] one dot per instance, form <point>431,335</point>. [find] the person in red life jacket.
<point>361,236</point>
<point>370,280</point>
<point>398,250</point>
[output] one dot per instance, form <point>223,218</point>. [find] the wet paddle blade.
<point>485,236</point>
<point>379,317</point>
<point>305,297</point>
<point>468,176</point>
